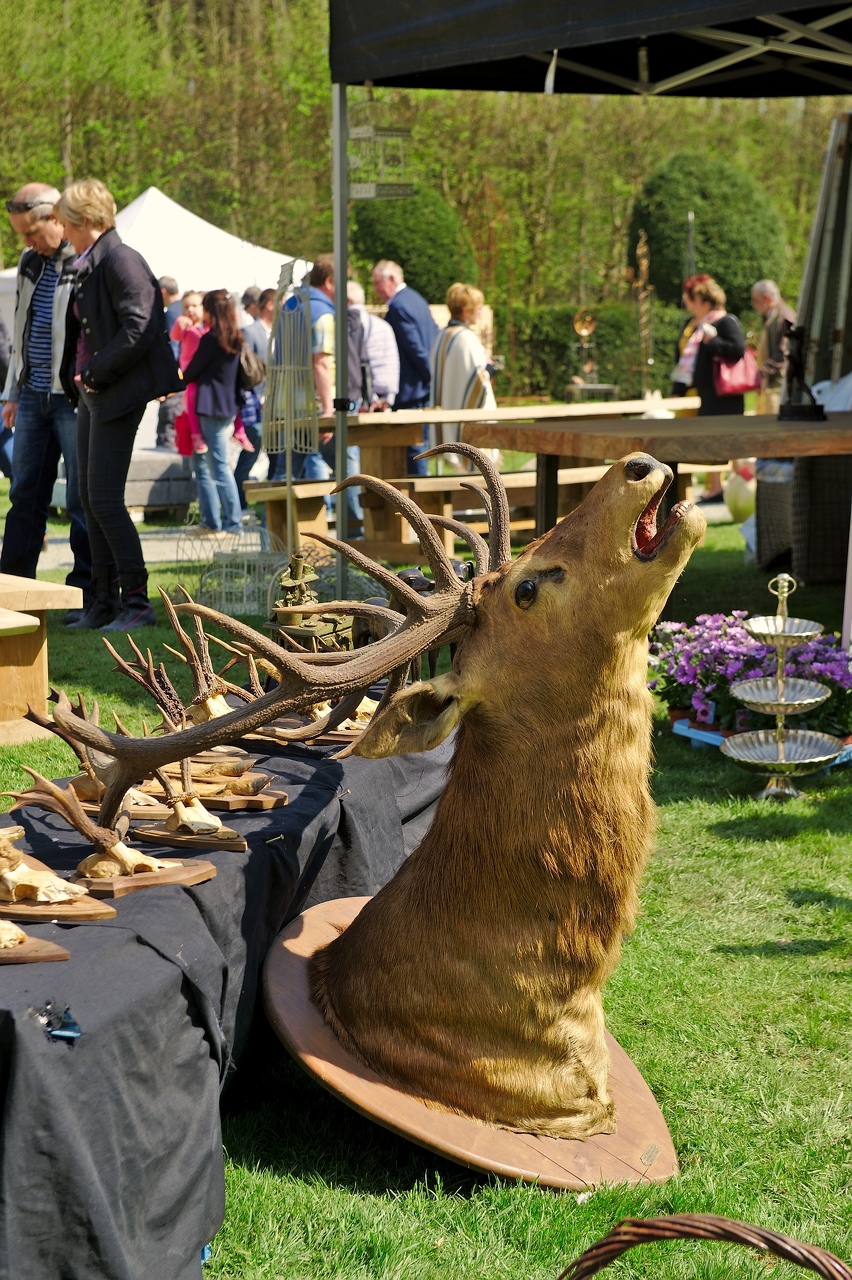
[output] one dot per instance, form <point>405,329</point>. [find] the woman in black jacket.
<point>215,369</point>
<point>721,338</point>
<point>117,358</point>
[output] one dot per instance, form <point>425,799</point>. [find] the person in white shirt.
<point>460,372</point>
<point>381,348</point>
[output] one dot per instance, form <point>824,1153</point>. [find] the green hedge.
<point>547,351</point>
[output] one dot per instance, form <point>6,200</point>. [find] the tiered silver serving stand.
<point>782,754</point>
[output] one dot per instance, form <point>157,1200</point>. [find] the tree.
<point>422,233</point>
<point>739,234</point>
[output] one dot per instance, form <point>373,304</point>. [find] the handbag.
<point>252,369</point>
<point>736,377</point>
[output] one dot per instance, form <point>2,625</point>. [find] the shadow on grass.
<point>278,1119</point>
<point>780,950</point>
<point>816,898</point>
<point>830,813</point>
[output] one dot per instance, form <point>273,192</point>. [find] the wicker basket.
<point>702,1226</point>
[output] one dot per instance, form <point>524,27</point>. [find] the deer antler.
<point>499,542</point>
<point>442,617</point>
<point>154,681</point>
<point>209,699</point>
<point>112,857</point>
<point>477,544</point>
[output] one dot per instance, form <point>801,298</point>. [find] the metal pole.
<point>340,191</point>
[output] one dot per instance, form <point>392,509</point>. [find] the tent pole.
<point>340,191</point>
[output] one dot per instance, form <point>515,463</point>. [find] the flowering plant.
<point>693,667</point>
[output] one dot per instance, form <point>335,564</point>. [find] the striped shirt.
<point>40,344</point>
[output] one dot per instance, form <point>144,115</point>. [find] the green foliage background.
<point>739,234</point>
<point>227,109</point>
<point>423,232</point>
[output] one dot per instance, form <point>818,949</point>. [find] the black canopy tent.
<point>688,47</point>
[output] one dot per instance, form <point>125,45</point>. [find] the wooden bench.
<point>23,650</point>
<point>387,536</point>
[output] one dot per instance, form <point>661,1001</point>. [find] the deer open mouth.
<point>647,540</point>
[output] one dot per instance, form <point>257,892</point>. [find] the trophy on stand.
<point>782,753</point>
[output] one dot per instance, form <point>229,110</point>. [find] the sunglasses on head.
<point>27,206</point>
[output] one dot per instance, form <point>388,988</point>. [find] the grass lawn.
<point>733,997</point>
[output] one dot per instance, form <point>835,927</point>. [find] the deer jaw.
<point>473,978</point>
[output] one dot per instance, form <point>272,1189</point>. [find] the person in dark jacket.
<point>415,331</point>
<point>719,337</point>
<point>117,357</point>
<point>215,370</point>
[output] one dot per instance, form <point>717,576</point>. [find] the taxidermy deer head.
<point>473,978</point>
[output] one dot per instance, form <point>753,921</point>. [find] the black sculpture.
<point>795,407</point>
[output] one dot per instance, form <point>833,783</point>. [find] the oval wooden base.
<point>641,1150</point>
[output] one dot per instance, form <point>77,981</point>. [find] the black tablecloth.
<point>111,1158</point>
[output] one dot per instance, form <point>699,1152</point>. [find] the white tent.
<point>178,243</point>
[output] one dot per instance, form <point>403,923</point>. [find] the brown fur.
<point>473,978</point>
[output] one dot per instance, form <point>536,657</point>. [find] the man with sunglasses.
<point>35,406</point>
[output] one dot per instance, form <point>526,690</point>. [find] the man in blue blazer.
<point>411,320</point>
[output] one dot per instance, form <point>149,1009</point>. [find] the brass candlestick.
<point>782,753</point>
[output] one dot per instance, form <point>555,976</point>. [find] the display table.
<point>111,1165</point>
<point>670,440</point>
<point>23,650</point>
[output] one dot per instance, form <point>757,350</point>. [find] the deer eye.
<point>525,593</point>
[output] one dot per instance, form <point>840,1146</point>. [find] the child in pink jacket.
<point>188,330</point>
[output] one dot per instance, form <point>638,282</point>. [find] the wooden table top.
<point>669,439</point>
<point>24,595</point>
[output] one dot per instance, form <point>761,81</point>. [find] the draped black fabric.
<point>111,1151</point>
<point>507,44</point>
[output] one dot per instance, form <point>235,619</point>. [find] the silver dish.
<point>776,631</point>
<point>799,695</point>
<point>804,751</point>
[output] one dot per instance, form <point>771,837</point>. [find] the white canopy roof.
<point>176,242</point>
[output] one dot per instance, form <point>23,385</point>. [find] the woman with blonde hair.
<point>117,358</point>
<point>461,374</point>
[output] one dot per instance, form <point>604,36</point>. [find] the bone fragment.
<point>191,816</point>
<point>10,935</point>
<point>118,860</point>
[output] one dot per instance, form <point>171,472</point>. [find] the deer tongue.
<point>647,538</point>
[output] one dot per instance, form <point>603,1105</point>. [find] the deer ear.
<point>417,719</point>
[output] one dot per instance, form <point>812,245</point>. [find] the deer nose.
<point>639,468</point>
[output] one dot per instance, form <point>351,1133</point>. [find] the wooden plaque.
<point>86,908</point>
<point>189,871</point>
<point>640,1151</point>
<point>186,840</point>
<point>32,951</point>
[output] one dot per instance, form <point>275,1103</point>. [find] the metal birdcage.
<point>376,154</point>
<point>289,408</point>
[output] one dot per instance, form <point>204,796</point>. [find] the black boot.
<point>103,604</point>
<point>136,610</point>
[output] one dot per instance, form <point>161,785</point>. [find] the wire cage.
<point>234,574</point>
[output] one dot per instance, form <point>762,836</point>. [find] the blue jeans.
<point>7,443</point>
<point>218,496</point>
<point>246,460</point>
<point>417,466</point>
<point>45,428</point>
<point>320,466</point>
